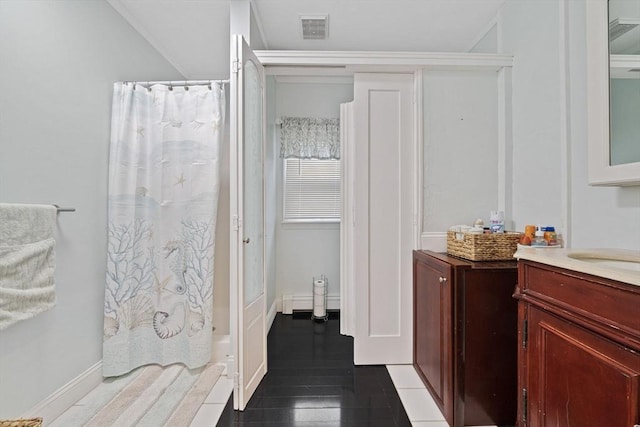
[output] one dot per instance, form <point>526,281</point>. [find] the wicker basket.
<point>22,422</point>
<point>483,247</point>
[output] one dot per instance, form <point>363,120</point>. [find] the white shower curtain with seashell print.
<point>163,196</point>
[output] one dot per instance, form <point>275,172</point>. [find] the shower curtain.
<point>162,208</point>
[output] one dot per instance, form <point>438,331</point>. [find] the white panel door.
<point>347,291</point>
<point>385,217</point>
<point>247,287</point>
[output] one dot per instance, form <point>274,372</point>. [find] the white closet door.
<point>347,291</point>
<point>385,217</point>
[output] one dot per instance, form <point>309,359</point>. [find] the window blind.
<point>311,190</point>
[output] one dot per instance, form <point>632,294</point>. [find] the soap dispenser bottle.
<point>539,240</point>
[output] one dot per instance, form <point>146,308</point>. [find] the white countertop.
<point>622,265</point>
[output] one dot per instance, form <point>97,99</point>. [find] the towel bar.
<point>64,209</point>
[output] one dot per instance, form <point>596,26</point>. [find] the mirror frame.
<point>600,171</point>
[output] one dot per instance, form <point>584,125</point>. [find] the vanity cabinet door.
<point>432,329</point>
<point>578,378</point>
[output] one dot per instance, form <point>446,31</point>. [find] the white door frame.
<point>319,63</point>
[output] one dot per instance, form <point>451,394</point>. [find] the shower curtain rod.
<point>177,82</point>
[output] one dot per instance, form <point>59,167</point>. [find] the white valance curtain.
<point>163,197</point>
<point>310,138</point>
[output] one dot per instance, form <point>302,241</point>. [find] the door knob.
<point>246,240</point>
<point>442,279</point>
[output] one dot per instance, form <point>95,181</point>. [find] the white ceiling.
<point>194,34</point>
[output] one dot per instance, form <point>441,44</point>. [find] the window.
<point>311,190</point>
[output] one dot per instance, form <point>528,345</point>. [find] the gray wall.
<point>550,129</point>
<point>307,250</point>
<point>600,216</point>
<point>530,31</point>
<point>59,62</point>
<point>460,148</point>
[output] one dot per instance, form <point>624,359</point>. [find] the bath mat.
<point>22,422</point>
<point>150,396</point>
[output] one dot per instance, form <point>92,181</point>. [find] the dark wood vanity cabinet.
<point>579,351</point>
<point>465,337</point>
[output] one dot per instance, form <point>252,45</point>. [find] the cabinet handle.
<point>442,280</point>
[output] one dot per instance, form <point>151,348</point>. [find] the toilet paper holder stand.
<point>319,288</point>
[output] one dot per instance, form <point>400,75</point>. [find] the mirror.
<point>624,81</point>
<point>613,85</point>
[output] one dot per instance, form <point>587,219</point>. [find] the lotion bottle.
<point>539,240</point>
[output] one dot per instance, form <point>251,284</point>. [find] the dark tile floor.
<point>312,382</point>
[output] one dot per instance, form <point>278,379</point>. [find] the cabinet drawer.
<point>612,304</point>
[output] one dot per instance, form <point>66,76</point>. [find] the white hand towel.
<point>27,261</point>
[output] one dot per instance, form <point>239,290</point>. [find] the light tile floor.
<point>420,406</point>
<point>211,409</point>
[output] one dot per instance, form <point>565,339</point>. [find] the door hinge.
<point>525,333</point>
<point>235,66</point>
<point>235,223</point>
<point>525,405</point>
<point>236,381</point>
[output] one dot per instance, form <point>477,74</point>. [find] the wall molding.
<point>305,302</point>
<point>271,315</point>
<point>434,241</point>
<point>429,60</point>
<point>67,395</point>
<point>220,348</point>
<point>312,79</point>
<point>565,122</point>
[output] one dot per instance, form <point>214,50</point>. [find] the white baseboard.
<point>434,241</point>
<point>305,302</point>
<point>221,348</point>
<point>271,314</point>
<point>67,395</point>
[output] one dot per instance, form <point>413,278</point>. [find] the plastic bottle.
<point>550,235</point>
<point>497,222</point>
<point>538,240</point>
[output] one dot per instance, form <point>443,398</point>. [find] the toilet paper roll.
<point>319,310</point>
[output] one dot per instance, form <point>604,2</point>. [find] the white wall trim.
<point>434,241</point>
<point>565,123</point>
<point>418,106</point>
<point>297,71</point>
<point>305,302</point>
<point>271,314</point>
<point>220,348</point>
<point>311,79</point>
<point>505,146</point>
<point>437,61</point>
<point>67,395</point>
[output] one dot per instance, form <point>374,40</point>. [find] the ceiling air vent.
<point>315,27</point>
